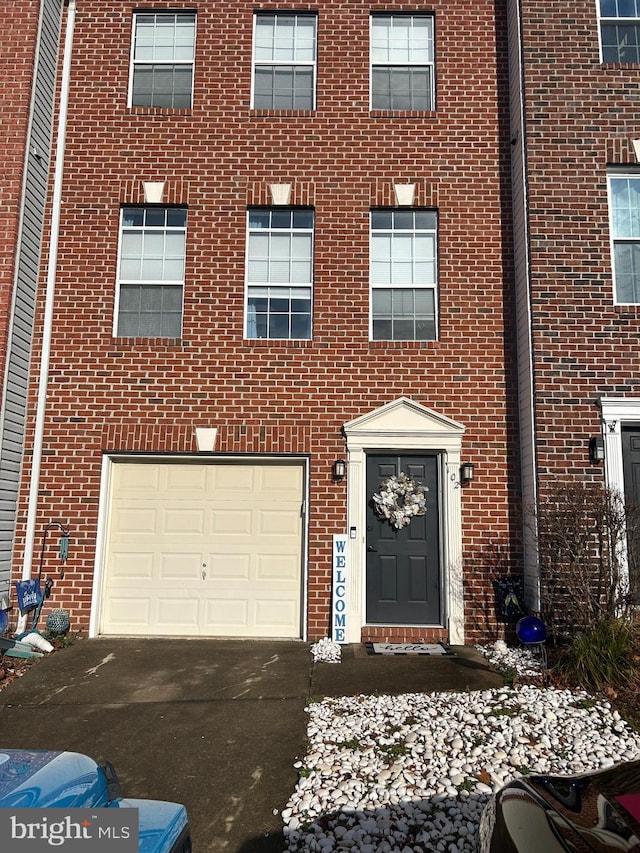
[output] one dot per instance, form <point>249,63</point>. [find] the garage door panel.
<point>278,546</point>
<point>284,483</point>
<point>224,614</point>
<point>183,522</point>
<point>234,479</point>
<point>230,567</point>
<point>132,566</point>
<point>275,522</point>
<point>276,568</point>
<point>274,614</point>
<point>204,549</point>
<point>128,615</point>
<point>231,522</point>
<point>137,479</point>
<point>177,615</point>
<point>132,519</point>
<point>181,481</point>
<point>180,567</point>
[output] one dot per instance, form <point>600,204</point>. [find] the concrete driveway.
<point>213,724</point>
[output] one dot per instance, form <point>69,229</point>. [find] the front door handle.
<point>371,548</point>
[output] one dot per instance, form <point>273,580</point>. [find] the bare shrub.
<point>588,551</point>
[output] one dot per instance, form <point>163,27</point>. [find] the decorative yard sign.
<point>29,595</point>
<point>339,600</point>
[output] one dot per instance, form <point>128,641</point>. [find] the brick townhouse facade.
<point>283,243</point>
<point>292,250</point>
<point>575,126</point>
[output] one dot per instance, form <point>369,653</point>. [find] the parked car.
<point>68,780</point>
<point>591,812</point>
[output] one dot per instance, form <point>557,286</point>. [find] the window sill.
<point>281,113</point>
<point>395,114</point>
<point>126,344</point>
<point>296,343</point>
<point>620,65</point>
<point>411,345</point>
<point>160,111</point>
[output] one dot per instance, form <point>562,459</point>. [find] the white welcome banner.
<point>339,597</point>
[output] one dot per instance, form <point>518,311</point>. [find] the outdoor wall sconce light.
<point>466,472</point>
<point>596,449</point>
<point>339,469</point>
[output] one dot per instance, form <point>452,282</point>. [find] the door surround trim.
<point>616,412</point>
<point>405,426</point>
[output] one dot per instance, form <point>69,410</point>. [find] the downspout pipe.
<point>526,379</point>
<point>47,325</point>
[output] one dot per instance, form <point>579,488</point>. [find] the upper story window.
<point>402,62</point>
<point>620,30</point>
<point>624,201</point>
<point>279,273</point>
<point>162,59</point>
<point>403,275</point>
<point>151,272</point>
<point>284,57</point>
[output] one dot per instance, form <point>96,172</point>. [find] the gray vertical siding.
<point>28,260</point>
<point>523,297</point>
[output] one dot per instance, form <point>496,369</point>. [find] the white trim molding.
<point>280,193</point>
<point>206,439</point>
<point>153,191</point>
<point>616,411</point>
<point>405,194</point>
<point>406,427</point>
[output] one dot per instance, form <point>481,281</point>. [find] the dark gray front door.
<point>403,566</point>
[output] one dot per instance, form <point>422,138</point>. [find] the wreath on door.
<point>400,499</point>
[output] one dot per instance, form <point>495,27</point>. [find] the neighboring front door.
<point>631,470</point>
<point>631,464</point>
<point>403,566</point>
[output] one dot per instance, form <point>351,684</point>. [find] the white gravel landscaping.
<point>412,773</point>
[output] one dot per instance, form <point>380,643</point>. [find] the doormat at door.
<point>408,649</point>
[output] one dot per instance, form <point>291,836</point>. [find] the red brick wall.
<point>108,394</point>
<point>581,116</point>
<point>19,34</point>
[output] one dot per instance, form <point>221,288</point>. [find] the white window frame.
<point>431,63</point>
<point>171,62</point>
<point>614,239</point>
<point>288,285</point>
<point>414,285</point>
<point>141,281</point>
<point>287,62</point>
<point>633,20</point>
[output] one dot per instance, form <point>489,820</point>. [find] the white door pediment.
<point>407,419</point>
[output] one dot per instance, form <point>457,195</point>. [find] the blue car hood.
<point>41,779</point>
<point>47,779</point>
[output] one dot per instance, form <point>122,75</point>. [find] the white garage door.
<point>204,550</point>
